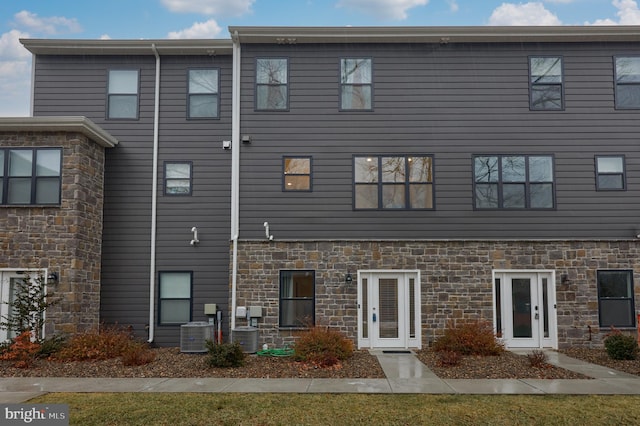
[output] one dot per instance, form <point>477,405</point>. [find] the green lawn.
<point>344,409</point>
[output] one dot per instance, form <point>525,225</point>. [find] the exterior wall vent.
<point>193,336</point>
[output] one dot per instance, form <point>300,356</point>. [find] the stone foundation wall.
<point>456,279</point>
<point>66,239</point>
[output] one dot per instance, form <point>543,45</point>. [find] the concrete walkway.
<point>405,374</point>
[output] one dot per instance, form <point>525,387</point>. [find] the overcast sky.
<point>157,19</point>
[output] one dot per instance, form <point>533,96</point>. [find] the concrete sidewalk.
<point>404,374</point>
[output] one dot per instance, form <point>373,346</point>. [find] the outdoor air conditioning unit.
<point>193,336</point>
<point>247,338</point>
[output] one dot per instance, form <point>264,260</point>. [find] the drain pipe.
<point>235,173</point>
<point>154,200</point>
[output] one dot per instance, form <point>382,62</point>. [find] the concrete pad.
<point>432,386</point>
<point>269,385</point>
<point>404,366</point>
<point>203,385</point>
<point>591,370</point>
<point>584,386</point>
<point>492,386</point>
<point>349,386</point>
<point>18,397</point>
<point>65,384</point>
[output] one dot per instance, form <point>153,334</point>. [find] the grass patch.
<point>344,409</point>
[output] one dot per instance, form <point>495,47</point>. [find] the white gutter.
<point>33,85</point>
<point>235,172</point>
<point>154,200</point>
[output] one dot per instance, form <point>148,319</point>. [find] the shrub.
<point>225,355</point>
<point>449,358</point>
<point>621,346</point>
<point>106,343</point>
<point>51,346</point>
<point>322,346</point>
<point>469,338</point>
<point>537,359</point>
<point>137,353</point>
<point>22,350</point>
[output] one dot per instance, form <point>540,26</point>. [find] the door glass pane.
<point>521,305</point>
<point>412,308</point>
<point>365,309</point>
<point>545,306</point>
<point>388,300</point>
<point>498,308</point>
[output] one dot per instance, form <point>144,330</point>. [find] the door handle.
<point>374,317</point>
<point>537,316</point>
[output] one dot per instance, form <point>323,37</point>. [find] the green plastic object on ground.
<point>276,352</point>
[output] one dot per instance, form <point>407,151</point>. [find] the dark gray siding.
<point>451,101</point>
<point>76,85</point>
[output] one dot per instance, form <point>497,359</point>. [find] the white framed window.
<point>203,93</point>
<point>123,94</point>
<point>30,176</point>
<point>174,297</point>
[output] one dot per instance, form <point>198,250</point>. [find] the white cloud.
<point>15,69</point>
<point>453,5</point>
<point>533,13</point>
<point>385,9</point>
<point>628,14</point>
<point>210,7</point>
<point>105,37</point>
<point>208,29</point>
<point>48,25</point>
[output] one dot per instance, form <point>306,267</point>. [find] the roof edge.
<point>78,124</point>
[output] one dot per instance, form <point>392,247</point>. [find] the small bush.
<point>51,346</point>
<point>22,350</point>
<point>621,346</point>
<point>537,359</point>
<point>137,353</point>
<point>469,338</point>
<point>449,358</point>
<point>322,346</point>
<point>106,343</point>
<point>225,355</point>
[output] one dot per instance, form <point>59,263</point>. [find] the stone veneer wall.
<point>66,239</point>
<point>455,279</point>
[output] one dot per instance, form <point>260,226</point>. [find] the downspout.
<point>235,173</point>
<point>154,200</point>
<point>32,95</point>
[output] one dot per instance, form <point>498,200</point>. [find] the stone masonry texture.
<point>456,280</point>
<point>66,239</point>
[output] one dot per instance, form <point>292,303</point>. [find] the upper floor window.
<point>175,297</point>
<point>296,174</point>
<point>627,82</point>
<point>514,182</point>
<point>545,83</point>
<point>393,182</point>
<point>356,84</point>
<point>177,178</point>
<point>297,298</point>
<point>30,176</point>
<point>615,298</point>
<point>272,84</point>
<point>610,173</point>
<point>123,94</point>
<point>203,93</point>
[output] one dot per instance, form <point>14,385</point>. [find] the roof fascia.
<point>77,124</point>
<point>475,34</point>
<point>210,47</point>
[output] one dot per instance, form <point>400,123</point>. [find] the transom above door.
<point>389,309</point>
<point>525,308</point>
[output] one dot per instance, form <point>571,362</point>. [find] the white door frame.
<point>409,323</point>
<point>542,286</point>
<point>5,283</point>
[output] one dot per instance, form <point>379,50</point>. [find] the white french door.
<point>525,308</point>
<point>388,309</point>
<point>8,282</point>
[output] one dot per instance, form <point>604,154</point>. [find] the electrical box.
<point>255,311</point>
<point>210,308</point>
<point>241,311</point>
